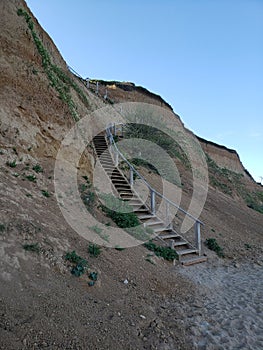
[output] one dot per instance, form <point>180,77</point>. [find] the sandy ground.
<point>228,314</point>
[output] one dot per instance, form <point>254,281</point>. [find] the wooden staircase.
<point>188,255</point>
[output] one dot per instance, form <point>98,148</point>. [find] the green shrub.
<point>166,252</point>
<point>120,212</point>
<point>78,270</point>
<point>93,276</point>
<point>254,200</point>
<point>83,187</point>
<point>31,178</point>
<point>85,177</point>
<point>45,193</point>
<point>57,77</point>
<point>94,250</point>
<point>89,199</point>
<point>80,264</point>
<point>212,244</point>
<point>247,246</point>
<point>2,227</point>
<point>34,247</point>
<point>11,164</point>
<point>37,168</point>
<point>96,229</point>
<point>73,257</point>
<point>119,248</point>
<point>123,216</point>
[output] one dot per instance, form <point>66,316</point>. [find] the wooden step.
<point>103,161</point>
<point>105,157</point>
<point>131,199</point>
<point>144,217</point>
<point>169,236</point>
<point>161,229</point>
<point>180,243</point>
<point>119,179</point>
<point>194,260</point>
<point>153,223</point>
<point>136,201</point>
<point>111,166</point>
<point>120,183</point>
<point>123,189</point>
<point>126,193</point>
<point>123,185</point>
<point>186,251</point>
<point>142,210</point>
<point>136,206</point>
<point>109,169</point>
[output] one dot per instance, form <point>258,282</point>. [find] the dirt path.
<point>229,313</point>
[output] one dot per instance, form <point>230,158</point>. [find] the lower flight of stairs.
<point>187,254</point>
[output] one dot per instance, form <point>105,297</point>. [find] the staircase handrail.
<point>112,141</point>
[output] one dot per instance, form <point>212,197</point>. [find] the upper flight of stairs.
<point>188,255</point>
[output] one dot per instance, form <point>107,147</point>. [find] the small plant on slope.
<point>166,252</point>
<point>34,247</point>
<point>94,250</point>
<point>212,244</point>
<point>80,264</point>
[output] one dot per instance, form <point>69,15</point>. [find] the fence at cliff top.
<point>88,81</point>
<point>114,130</point>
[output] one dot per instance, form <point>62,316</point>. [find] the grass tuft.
<point>34,247</point>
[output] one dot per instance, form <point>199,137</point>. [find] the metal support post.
<point>116,159</point>
<point>131,176</point>
<point>198,237</point>
<point>153,202</point>
<point>167,214</point>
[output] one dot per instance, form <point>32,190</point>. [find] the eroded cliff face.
<point>33,116</point>
<point>224,157</point>
<point>35,99</point>
<point>126,91</point>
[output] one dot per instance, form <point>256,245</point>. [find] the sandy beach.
<point>228,313</point>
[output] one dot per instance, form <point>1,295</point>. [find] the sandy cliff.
<point>42,305</point>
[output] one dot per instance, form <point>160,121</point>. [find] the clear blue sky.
<point>204,57</point>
